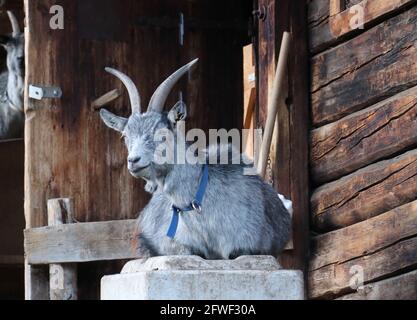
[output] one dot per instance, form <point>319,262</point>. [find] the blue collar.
<point>194,205</point>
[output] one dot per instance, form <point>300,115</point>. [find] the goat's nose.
<point>133,160</point>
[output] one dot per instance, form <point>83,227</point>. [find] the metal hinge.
<point>40,92</point>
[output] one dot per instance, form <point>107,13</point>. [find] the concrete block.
<point>193,278</point>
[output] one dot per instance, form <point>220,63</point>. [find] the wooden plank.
<point>62,277</point>
<point>249,99</point>
<point>402,287</point>
<point>337,24</point>
<point>81,242</point>
<point>365,70</point>
<point>366,193</point>
<point>365,237</point>
<point>106,99</point>
<point>335,279</point>
<point>364,137</point>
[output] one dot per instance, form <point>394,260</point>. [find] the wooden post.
<point>62,277</point>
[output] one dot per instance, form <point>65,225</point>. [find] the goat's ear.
<point>113,121</point>
<point>5,40</point>
<point>178,113</point>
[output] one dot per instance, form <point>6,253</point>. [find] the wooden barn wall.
<point>69,151</point>
<point>363,151</point>
<point>11,190</point>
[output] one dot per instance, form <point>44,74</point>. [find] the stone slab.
<point>193,278</point>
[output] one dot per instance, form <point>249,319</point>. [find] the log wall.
<point>363,150</point>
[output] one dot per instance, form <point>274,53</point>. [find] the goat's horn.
<point>131,89</point>
<point>160,96</point>
<point>14,22</point>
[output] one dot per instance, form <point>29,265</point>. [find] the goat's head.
<point>139,129</point>
<point>15,47</point>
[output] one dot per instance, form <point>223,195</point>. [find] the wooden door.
<point>289,157</point>
<point>69,152</point>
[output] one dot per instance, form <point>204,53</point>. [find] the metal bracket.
<point>40,92</point>
<point>260,13</point>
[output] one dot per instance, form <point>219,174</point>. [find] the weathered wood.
<point>335,279</point>
<point>277,92</point>
<point>36,282</point>
<point>366,193</point>
<point>81,242</point>
<point>403,287</point>
<point>78,156</point>
<point>12,220</point>
<point>365,70</point>
<point>339,61</point>
<point>290,165</point>
<point>364,137</point>
<point>62,277</point>
<point>249,98</point>
<point>366,237</point>
<point>106,99</point>
<point>334,27</point>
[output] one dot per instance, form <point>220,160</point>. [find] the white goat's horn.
<point>160,96</point>
<point>131,89</point>
<point>14,22</point>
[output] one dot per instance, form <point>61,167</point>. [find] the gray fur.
<point>12,88</point>
<point>241,214</point>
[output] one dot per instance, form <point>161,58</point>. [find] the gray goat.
<point>12,83</point>
<point>238,215</point>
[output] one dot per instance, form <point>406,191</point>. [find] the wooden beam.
<point>336,279</point>
<point>366,193</point>
<point>62,277</point>
<point>330,24</point>
<point>365,237</point>
<point>379,247</point>
<point>364,70</point>
<point>402,287</point>
<point>364,137</point>
<point>81,242</point>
